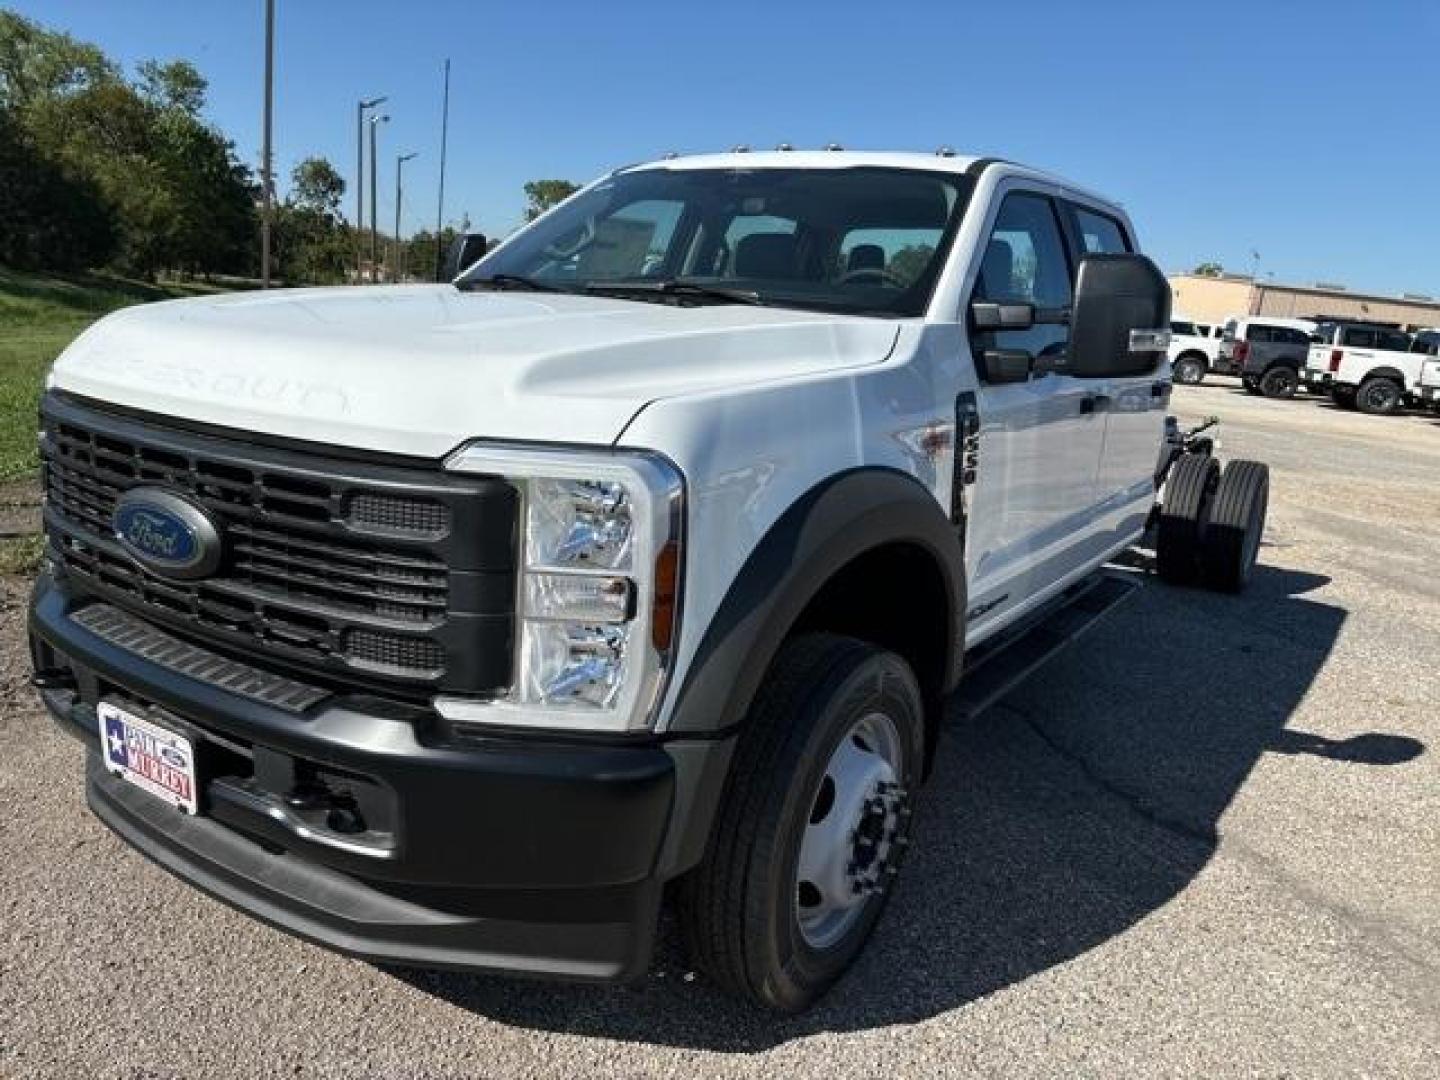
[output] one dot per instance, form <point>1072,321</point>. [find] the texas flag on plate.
<point>149,756</point>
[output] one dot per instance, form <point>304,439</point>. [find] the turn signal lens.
<point>662,611</point>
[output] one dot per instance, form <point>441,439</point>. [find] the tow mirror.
<point>1121,316</point>
<point>465,250</point>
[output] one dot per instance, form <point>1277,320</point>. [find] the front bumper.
<point>518,854</point>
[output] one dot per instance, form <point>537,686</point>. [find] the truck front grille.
<point>381,573</point>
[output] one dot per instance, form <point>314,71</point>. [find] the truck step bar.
<point>999,665</point>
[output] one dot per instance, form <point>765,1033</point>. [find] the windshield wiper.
<point>669,287</point>
<point>511,281</point>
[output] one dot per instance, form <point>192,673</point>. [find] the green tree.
<point>169,184</point>
<point>313,244</point>
<point>48,217</point>
<point>177,85</point>
<point>541,195</point>
<point>36,64</point>
<point>1209,269</point>
<point>317,185</point>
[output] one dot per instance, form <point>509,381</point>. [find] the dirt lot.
<point>1205,841</point>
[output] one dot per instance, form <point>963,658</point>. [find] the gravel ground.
<point>1206,841</point>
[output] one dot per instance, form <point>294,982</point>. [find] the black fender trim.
<point>1393,374</point>
<point>834,523</point>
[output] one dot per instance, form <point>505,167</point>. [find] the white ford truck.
<point>1375,369</point>
<point>447,625</point>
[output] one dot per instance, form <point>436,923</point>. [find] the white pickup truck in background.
<point>1193,347</point>
<point>1375,369</point>
<point>1429,392</point>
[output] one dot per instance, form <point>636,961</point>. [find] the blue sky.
<point>1307,131</point>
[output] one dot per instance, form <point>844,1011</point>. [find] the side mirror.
<point>1120,316</point>
<point>464,251</point>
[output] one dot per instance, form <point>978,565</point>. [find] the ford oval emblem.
<point>167,533</point>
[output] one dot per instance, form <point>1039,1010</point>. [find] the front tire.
<point>815,820</point>
<point>1189,369</point>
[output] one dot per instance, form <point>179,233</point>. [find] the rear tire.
<point>1189,369</point>
<point>1236,526</point>
<point>1380,396</point>
<point>834,743</point>
<point>1188,490</point>
<point>1279,382</point>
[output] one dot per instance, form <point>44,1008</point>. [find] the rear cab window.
<point>1100,234</point>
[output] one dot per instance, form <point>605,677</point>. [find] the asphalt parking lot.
<point>1205,841</point>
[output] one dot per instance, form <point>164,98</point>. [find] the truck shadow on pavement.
<point>1053,822</point>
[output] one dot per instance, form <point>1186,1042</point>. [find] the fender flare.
<point>1393,374</point>
<point>835,522</point>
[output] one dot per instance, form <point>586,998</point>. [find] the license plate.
<point>149,756</point>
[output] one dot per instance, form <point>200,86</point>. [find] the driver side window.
<point>1024,262</point>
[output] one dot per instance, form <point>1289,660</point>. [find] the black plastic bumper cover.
<point>518,855</point>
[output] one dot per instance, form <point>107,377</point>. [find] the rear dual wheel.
<point>813,826</point>
<point>1211,522</point>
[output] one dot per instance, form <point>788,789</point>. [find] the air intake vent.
<point>399,653</point>
<point>400,516</point>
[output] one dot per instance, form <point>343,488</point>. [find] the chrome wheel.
<point>856,832</point>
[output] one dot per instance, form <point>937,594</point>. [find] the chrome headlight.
<point>598,603</point>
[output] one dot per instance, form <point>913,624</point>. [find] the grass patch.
<point>39,316</point>
<point>21,555</point>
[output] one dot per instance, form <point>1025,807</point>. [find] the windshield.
<point>867,241</point>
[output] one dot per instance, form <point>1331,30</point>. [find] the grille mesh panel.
<point>391,514</point>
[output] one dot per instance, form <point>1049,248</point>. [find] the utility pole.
<point>375,121</point>
<point>361,107</point>
<point>267,177</point>
<point>400,160</point>
<point>440,206</point>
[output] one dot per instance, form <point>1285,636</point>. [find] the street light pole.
<point>440,206</point>
<point>375,121</point>
<point>361,107</point>
<point>267,178</point>
<point>400,160</point>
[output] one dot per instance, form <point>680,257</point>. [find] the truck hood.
<point>420,369</point>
